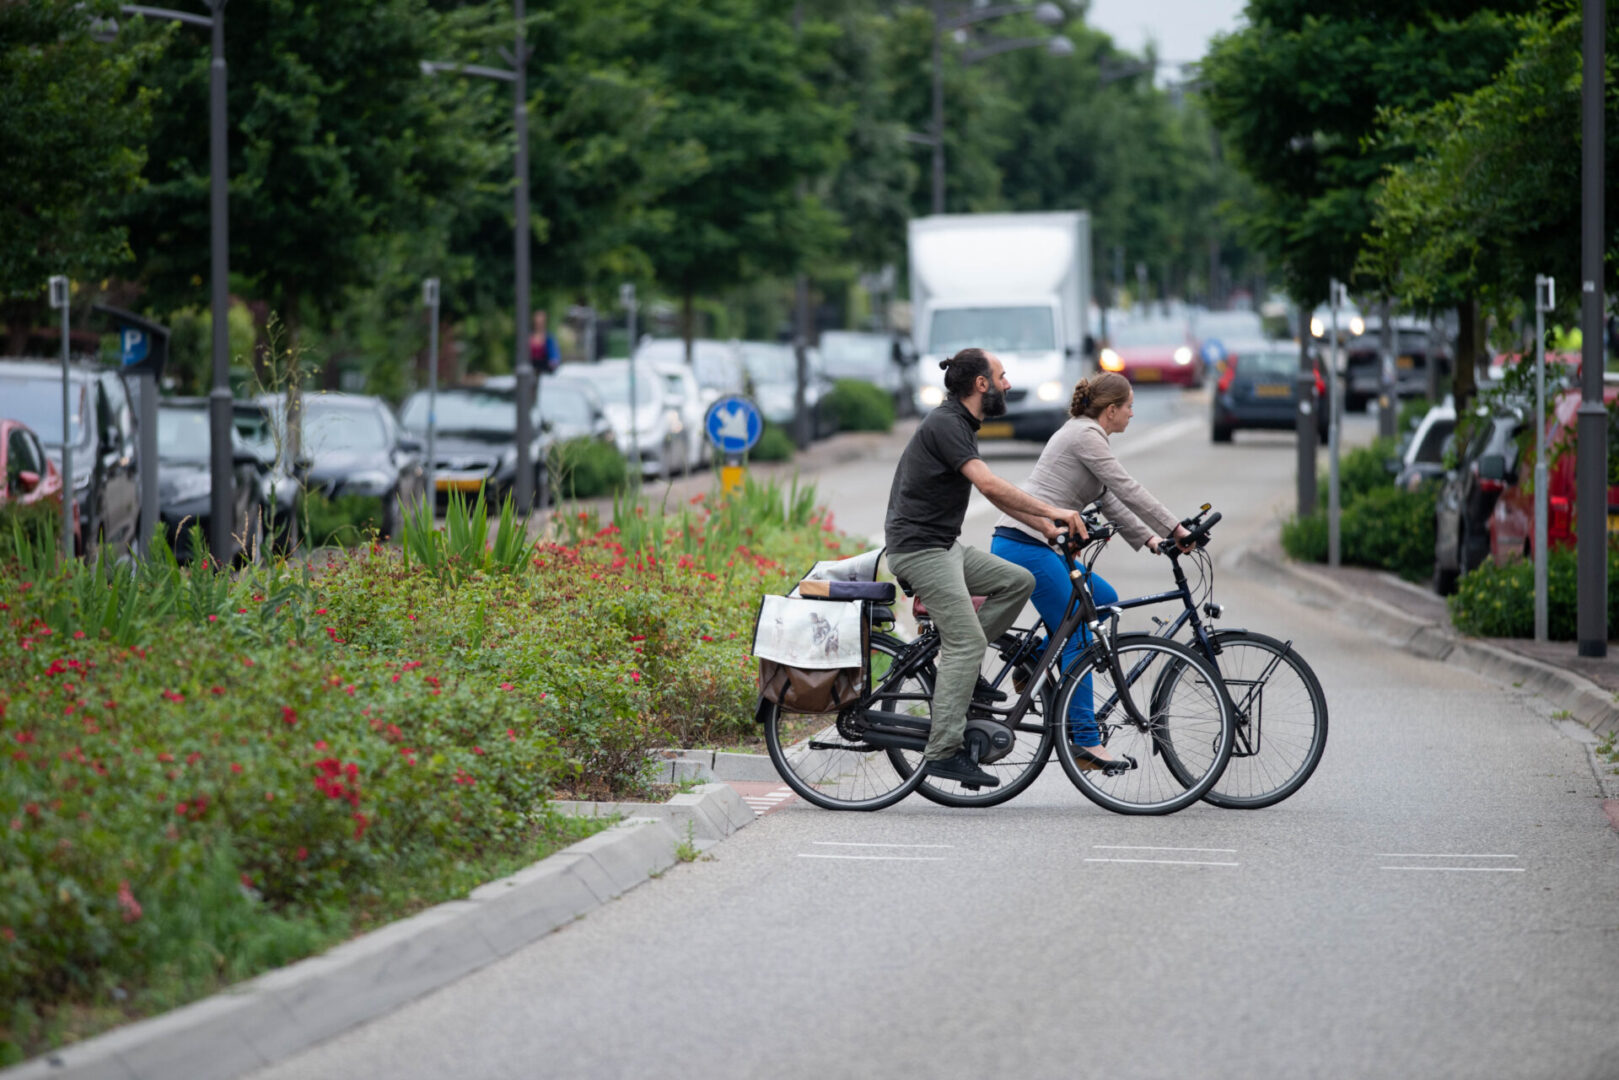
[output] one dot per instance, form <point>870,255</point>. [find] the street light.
<point>527,381</point>
<point>221,475</point>
<point>1046,13</point>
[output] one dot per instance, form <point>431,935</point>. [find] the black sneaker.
<point>962,769</point>
<point>987,693</point>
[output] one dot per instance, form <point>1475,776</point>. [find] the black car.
<point>354,447</point>
<point>184,487</point>
<point>1258,388</point>
<point>1487,463</point>
<point>1363,359</point>
<point>106,479</point>
<point>475,444</point>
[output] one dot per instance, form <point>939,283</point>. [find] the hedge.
<point>1380,525</point>
<point>584,468</point>
<point>860,406</point>
<point>1499,601</point>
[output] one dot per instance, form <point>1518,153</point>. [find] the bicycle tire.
<point>1017,770</point>
<point>834,772</point>
<point>1278,705</point>
<point>1190,710</point>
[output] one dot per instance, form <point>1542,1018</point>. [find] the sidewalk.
<point>1411,617</point>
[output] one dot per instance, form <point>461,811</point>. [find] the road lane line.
<point>851,843</point>
<point>1462,869</point>
<point>1144,847</point>
<point>1414,855</point>
<point>1166,862</point>
<point>879,858</point>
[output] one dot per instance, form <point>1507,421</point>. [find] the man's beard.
<point>994,402</point>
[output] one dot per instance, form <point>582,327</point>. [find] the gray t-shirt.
<point>929,498</point>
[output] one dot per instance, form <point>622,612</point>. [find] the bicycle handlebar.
<point>1197,534</point>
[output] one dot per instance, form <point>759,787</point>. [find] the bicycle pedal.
<point>1120,767</point>
<point>973,787</point>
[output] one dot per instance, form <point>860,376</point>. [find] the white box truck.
<point>1018,285</point>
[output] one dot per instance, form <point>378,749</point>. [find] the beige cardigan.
<point>1076,468</point>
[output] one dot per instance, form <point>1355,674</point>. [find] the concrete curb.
<point>702,817</point>
<point>682,765</point>
<point>1588,703</point>
<point>278,1014</point>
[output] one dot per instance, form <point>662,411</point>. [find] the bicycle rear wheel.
<point>1280,714</point>
<point>1181,708</point>
<point>826,759</point>
<point>1018,769</point>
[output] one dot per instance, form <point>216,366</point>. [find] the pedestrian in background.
<point>542,347</point>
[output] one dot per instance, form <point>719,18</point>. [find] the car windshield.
<point>613,384</point>
<point>462,410</point>
<point>1136,335</point>
<point>1432,447</point>
<point>771,364</point>
<point>561,403</point>
<point>38,404</point>
<point>338,429</point>
<point>855,354</point>
<point>183,435</point>
<point>1270,364</point>
<point>998,329</point>
<point>1230,325</point>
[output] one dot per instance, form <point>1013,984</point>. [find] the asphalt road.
<point>1442,900</point>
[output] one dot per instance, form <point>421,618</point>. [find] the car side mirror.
<point>27,481</point>
<point>411,444</point>
<point>1492,467</point>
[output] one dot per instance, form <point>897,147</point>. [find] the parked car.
<point>184,481</point>
<point>1422,457</point>
<point>655,435</point>
<point>883,360</point>
<point>683,396</point>
<point>1488,461</point>
<point>475,444</point>
<point>30,475</point>
<point>1159,350</point>
<point>716,365</point>
<point>279,480</point>
<point>1363,362</point>
<point>773,370</point>
<point>1258,388</point>
<point>354,446</point>
<point>106,481</point>
<point>1512,524</point>
<point>574,410</point>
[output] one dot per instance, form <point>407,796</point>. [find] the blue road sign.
<point>134,345</point>
<point>734,425</point>
<point>1213,352</point>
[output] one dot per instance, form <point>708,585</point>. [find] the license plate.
<point>1273,390</point>
<point>1405,362</point>
<point>1613,524</point>
<point>456,483</point>
<point>995,431</point>
<point>1147,374</point>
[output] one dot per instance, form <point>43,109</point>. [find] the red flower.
<point>320,744</point>
<point>217,691</point>
<point>505,686</point>
<point>127,901</point>
<point>180,808</point>
<point>478,750</point>
<point>77,634</point>
<point>303,853</point>
<point>235,768</point>
<point>320,611</point>
<point>289,715</point>
<point>361,823</point>
<point>213,618</point>
<point>193,757</point>
<point>173,695</point>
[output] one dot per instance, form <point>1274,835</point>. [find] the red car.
<point>31,476</point>
<point>1512,523</point>
<point>1158,351</point>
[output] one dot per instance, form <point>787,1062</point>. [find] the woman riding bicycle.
<point>1076,468</point>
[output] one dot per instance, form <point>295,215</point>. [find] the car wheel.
<point>390,515</point>
<point>1445,577</point>
<point>1221,433</point>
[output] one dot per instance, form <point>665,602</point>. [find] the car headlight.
<point>369,482</point>
<point>1050,390</point>
<point>931,395</point>
<point>675,426</point>
<point>1111,361</point>
<point>1317,327</point>
<point>81,476</point>
<point>1183,355</point>
<point>1357,325</point>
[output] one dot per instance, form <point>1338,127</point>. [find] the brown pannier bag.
<point>802,690</point>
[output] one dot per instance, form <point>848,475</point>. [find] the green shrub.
<point>345,521</point>
<point>1305,538</point>
<point>584,468</point>
<point>860,406</point>
<point>1499,601</point>
<point>1363,469</point>
<point>1382,527</point>
<point>36,525</point>
<point>774,445</point>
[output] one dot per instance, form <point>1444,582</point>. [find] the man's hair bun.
<point>944,365</point>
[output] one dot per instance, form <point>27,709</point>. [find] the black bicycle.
<point>1159,705</point>
<point>1277,702</point>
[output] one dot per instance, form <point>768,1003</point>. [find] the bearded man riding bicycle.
<point>926,506</point>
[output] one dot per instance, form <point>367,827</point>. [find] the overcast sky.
<point>1181,28</point>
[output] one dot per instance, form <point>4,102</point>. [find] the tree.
<point>72,124</point>
<point>1297,96</point>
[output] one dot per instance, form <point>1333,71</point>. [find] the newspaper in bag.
<point>814,634</point>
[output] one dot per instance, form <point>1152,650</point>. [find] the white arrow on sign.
<point>733,424</point>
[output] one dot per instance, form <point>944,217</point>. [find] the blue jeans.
<point>1051,592</point>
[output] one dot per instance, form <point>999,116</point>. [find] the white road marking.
<point>1143,847</point>
<point>878,858</point>
<point>1463,869</point>
<point>851,843</point>
<point>1411,855</point>
<point>1166,862</point>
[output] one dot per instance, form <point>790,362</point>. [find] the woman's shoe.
<point>1091,763</point>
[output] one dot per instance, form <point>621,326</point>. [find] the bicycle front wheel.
<point>1280,714</point>
<point>826,758</point>
<point>1165,704</point>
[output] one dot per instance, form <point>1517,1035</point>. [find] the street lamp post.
<point>59,294</point>
<point>626,296</point>
<point>221,477</point>
<point>430,295</point>
<point>1046,13</point>
<point>1591,471</point>
<point>1335,393</point>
